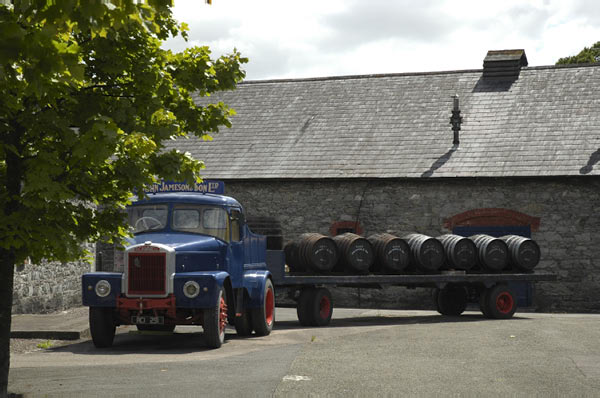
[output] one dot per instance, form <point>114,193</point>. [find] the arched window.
<point>340,227</point>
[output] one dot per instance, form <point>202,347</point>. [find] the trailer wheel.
<point>243,325</point>
<point>155,328</point>
<point>263,318</point>
<point>322,307</point>
<point>315,307</point>
<point>451,300</point>
<point>102,326</point>
<point>215,320</point>
<point>501,301</point>
<point>303,309</point>
<point>483,304</point>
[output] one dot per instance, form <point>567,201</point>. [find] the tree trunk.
<point>7,268</point>
<point>12,187</point>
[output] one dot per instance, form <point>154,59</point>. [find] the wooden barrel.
<point>461,252</point>
<point>392,254</point>
<point>524,253</point>
<point>311,252</point>
<point>292,258</point>
<point>356,253</point>
<point>318,252</point>
<point>427,253</point>
<point>492,253</point>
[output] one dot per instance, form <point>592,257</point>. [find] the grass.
<point>45,344</point>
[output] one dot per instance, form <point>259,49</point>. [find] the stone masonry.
<point>49,286</point>
<point>568,210</point>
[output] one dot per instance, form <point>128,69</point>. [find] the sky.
<point>317,38</point>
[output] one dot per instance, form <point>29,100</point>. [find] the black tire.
<point>263,318</point>
<point>483,304</point>
<point>303,309</point>
<point>243,325</point>
<point>322,307</point>
<point>315,307</point>
<point>501,302</point>
<point>451,300</point>
<point>155,328</point>
<point>102,326</point>
<point>215,320</point>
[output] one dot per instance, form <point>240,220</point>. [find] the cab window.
<point>205,220</point>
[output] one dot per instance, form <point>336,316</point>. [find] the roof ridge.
<point>401,74</point>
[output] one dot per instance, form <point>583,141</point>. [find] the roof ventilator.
<point>455,120</point>
<point>504,64</point>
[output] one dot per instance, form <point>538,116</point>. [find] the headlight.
<point>102,288</point>
<point>191,289</point>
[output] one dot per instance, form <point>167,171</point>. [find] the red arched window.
<point>492,216</point>
<point>340,227</point>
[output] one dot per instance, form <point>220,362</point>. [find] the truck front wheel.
<point>263,317</point>
<point>102,326</point>
<point>215,320</point>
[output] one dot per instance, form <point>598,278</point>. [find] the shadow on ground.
<point>187,341</point>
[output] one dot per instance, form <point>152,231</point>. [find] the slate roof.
<point>546,123</point>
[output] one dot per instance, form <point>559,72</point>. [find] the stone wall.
<point>48,286</point>
<point>568,212</point>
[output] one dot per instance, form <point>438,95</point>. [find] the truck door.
<point>236,247</point>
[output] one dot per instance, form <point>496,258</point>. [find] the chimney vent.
<point>504,64</point>
<point>455,120</point>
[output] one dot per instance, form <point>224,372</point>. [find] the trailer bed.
<point>433,280</point>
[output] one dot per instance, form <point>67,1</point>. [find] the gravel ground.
<point>24,346</point>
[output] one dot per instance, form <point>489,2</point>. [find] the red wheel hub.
<point>269,306</point>
<point>505,302</point>
<point>324,307</point>
<point>222,315</point>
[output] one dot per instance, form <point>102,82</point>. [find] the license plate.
<point>148,320</point>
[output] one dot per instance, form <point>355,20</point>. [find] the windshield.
<point>206,220</point>
<point>147,218</point>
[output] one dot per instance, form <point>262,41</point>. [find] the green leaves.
<point>585,56</point>
<point>89,97</point>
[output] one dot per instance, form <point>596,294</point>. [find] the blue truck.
<point>192,261</point>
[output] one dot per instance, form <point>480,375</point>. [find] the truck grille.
<point>146,274</point>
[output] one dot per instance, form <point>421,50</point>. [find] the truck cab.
<point>192,260</point>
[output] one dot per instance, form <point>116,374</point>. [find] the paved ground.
<point>362,353</point>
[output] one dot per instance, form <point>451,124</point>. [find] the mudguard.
<point>88,284</point>
<point>209,282</point>
<point>254,283</point>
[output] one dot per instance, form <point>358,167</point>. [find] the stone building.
<point>49,285</point>
<point>377,153</point>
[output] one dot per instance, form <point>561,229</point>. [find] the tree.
<point>585,56</point>
<point>88,99</point>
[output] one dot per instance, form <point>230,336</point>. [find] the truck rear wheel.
<point>215,320</point>
<point>102,326</point>
<point>263,318</point>
<point>243,325</point>
<point>451,300</point>
<point>501,301</point>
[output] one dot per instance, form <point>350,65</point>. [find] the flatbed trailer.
<point>453,290</point>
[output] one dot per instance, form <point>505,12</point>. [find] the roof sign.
<point>206,186</point>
